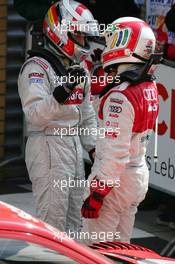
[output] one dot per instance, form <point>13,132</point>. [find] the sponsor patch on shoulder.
<point>115,100</point>
<point>36,74</point>
<point>36,80</point>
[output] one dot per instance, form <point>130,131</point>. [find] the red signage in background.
<point>166,94</point>
<point>162,173</point>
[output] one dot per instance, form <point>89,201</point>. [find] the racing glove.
<point>73,77</point>
<point>92,205</point>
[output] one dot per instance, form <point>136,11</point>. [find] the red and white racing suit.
<point>54,155</point>
<point>128,114</point>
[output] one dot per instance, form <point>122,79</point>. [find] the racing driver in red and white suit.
<point>128,112</point>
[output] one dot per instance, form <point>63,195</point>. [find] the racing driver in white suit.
<point>128,111</point>
<point>55,109</point>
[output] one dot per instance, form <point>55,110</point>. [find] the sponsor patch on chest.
<point>117,101</point>
<point>115,109</point>
<point>76,97</point>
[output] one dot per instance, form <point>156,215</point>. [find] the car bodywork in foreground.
<point>16,225</point>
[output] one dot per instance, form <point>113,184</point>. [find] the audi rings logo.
<point>150,94</point>
<point>115,109</point>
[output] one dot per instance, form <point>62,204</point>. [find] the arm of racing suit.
<point>113,148</point>
<point>38,103</point>
<point>89,122</point>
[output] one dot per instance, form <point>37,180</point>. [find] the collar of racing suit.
<point>55,62</point>
<point>137,73</point>
<point>131,73</point>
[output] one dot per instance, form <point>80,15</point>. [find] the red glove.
<point>92,205</point>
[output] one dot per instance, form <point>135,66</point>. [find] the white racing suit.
<point>128,114</point>
<point>55,161</point>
